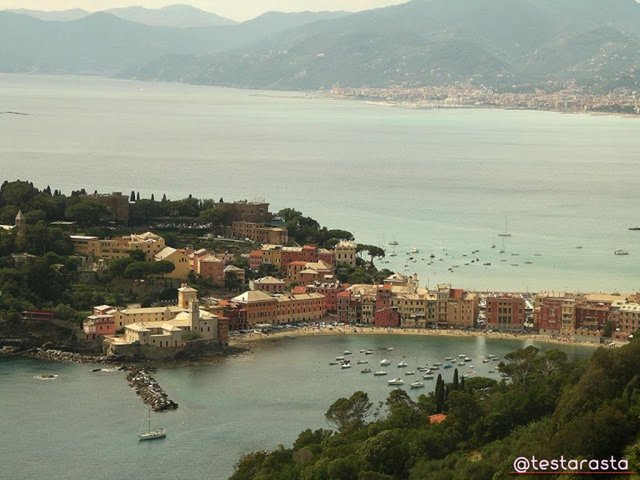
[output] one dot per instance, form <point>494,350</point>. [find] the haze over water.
<point>433,180</point>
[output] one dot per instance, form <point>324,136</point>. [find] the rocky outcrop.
<point>62,356</point>
<point>149,390</point>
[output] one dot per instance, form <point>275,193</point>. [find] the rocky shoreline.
<point>149,390</point>
<point>54,355</point>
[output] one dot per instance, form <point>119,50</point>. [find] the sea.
<point>84,424</point>
<point>442,182</point>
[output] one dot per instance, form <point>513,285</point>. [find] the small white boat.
<point>384,362</point>
<point>395,381</point>
<point>437,364</point>
<point>345,365</point>
<point>461,364</point>
<point>389,349</point>
<point>621,252</point>
<point>347,352</point>
<point>462,355</point>
<point>467,359</point>
<point>365,370</point>
<point>369,352</point>
<point>362,350</point>
<point>448,359</point>
<point>410,372</point>
<point>414,250</point>
<point>333,363</point>
<point>402,364</point>
<point>46,376</point>
<point>362,362</point>
<point>428,376</point>
<point>379,373</point>
<point>150,434</point>
<point>340,358</point>
<point>417,384</point>
<point>435,367</point>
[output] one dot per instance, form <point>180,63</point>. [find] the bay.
<point>85,424</point>
<point>442,181</point>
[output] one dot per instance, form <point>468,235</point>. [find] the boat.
<point>461,363</point>
<point>395,381</point>
<point>417,384</point>
<point>365,370</point>
<point>150,434</point>
<point>410,372</point>
<point>620,252</point>
<point>369,352</point>
<point>362,362</point>
<point>485,361</point>
<point>402,364</point>
<point>462,355</point>
<point>437,364</point>
<point>634,228</point>
<point>428,376</point>
<point>448,359</point>
<point>415,250</point>
<point>389,349</point>
<point>384,362</point>
<point>339,359</point>
<point>393,242</point>
<point>467,359</point>
<point>347,352</point>
<point>333,363</point>
<point>46,376</point>
<point>506,229</point>
<point>345,365</point>
<point>379,373</point>
<point>448,365</point>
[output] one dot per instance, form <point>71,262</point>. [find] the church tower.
<point>19,219</point>
<point>186,295</point>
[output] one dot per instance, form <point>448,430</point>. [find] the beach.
<point>330,330</point>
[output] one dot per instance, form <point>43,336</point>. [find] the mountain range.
<point>503,44</point>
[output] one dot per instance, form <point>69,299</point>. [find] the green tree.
<point>347,414</point>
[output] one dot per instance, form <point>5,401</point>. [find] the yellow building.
<point>153,329</point>
<point>178,258</point>
<point>110,249</point>
<point>345,253</point>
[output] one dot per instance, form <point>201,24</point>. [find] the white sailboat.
<point>150,434</point>
<point>506,229</point>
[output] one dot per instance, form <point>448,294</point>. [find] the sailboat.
<point>506,229</point>
<point>150,434</point>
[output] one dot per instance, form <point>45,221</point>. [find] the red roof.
<point>299,290</point>
<point>255,253</point>
<point>298,263</point>
<point>344,294</point>
<point>437,418</point>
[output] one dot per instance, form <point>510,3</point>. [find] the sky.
<point>236,9</point>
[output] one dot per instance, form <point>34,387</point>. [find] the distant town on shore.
<point>144,278</point>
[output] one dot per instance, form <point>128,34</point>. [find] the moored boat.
<point>417,384</point>
<point>395,381</point>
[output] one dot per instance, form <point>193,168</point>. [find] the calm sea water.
<point>440,181</point>
<point>84,425</point>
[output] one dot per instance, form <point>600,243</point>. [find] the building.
<point>259,307</point>
<point>304,307</point>
<point>505,312</point>
<point>345,253</point>
<point>189,324</point>
<point>268,285</point>
<point>255,212</point>
<point>259,233</point>
<point>111,249</point>
<point>116,202</point>
<point>455,308</point>
<point>178,258</point>
<point>210,267</point>
<point>237,272</point>
<point>555,313</point>
<point>330,290</point>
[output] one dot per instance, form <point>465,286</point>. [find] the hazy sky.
<point>236,9</point>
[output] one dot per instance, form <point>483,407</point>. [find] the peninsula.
<point>137,279</point>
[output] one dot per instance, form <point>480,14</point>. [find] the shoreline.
<point>253,337</point>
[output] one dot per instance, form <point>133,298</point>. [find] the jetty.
<point>148,389</point>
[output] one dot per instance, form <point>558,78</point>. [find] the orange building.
<point>260,307</point>
<point>505,312</point>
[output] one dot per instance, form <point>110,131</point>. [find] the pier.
<point>149,390</point>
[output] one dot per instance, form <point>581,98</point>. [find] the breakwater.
<point>54,355</point>
<point>148,389</point>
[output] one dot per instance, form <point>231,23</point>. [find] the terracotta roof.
<point>437,418</point>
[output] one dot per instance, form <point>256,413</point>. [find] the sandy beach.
<point>248,338</point>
